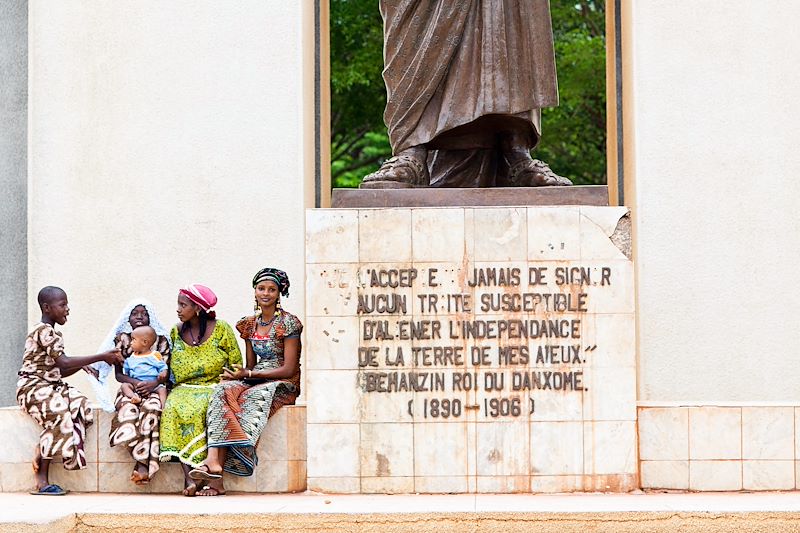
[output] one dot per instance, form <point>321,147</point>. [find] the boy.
<point>144,364</point>
<point>61,410</point>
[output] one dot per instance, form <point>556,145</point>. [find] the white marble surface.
<point>500,417</point>
<point>664,434</point>
<point>728,448</point>
<point>665,474</point>
<point>498,449</point>
<point>384,235</point>
<point>715,433</point>
<point>437,235</point>
<point>333,450</point>
<point>556,448</point>
<point>387,450</point>
<point>715,475</point>
<point>609,447</point>
<point>334,335</point>
<point>768,433</point>
<point>564,245</point>
<point>501,234</point>
<point>333,238</point>
<point>768,475</point>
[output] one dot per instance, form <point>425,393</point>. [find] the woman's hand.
<point>113,357</point>
<point>143,388</point>
<point>238,373</point>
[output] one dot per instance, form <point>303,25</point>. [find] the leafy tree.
<point>359,141</point>
<point>574,136</point>
<point>574,133</point>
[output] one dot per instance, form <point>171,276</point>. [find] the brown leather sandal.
<point>386,176</point>
<point>535,173</point>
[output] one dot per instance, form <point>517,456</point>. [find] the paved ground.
<point>418,513</point>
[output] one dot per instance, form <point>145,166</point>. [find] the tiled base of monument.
<point>720,448</point>
<point>281,452</point>
<point>470,350</point>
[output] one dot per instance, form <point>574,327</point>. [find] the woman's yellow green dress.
<point>195,371</point>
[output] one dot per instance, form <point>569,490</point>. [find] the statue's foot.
<point>529,172</point>
<point>407,169</point>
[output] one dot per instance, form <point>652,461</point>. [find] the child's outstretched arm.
<point>70,365</point>
<point>119,374</point>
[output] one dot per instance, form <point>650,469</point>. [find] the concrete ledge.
<point>763,512</point>
<point>281,452</point>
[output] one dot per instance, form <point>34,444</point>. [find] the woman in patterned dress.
<point>202,347</point>
<point>62,411</point>
<point>134,426</point>
<point>241,405</point>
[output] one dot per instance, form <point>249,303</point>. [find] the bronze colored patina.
<point>465,81</point>
<point>470,197</point>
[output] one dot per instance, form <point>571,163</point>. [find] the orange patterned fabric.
<point>239,411</point>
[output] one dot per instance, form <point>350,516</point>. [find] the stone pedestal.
<point>281,453</point>
<point>470,349</point>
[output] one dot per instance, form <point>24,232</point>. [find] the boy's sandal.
<point>202,472</point>
<point>49,490</point>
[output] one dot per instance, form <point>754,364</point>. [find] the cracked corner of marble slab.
<point>614,223</point>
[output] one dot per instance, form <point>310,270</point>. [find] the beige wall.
<point>714,193</point>
<point>166,146</point>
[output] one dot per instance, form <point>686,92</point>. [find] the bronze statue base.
<point>468,197</point>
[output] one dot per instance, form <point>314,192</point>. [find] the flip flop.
<point>202,472</point>
<point>49,490</point>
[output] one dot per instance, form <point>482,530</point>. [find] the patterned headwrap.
<point>201,295</point>
<point>279,277</point>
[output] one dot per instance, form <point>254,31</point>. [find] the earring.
<point>277,308</point>
<point>257,309</point>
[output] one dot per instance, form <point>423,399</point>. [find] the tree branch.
<point>586,11</point>
<point>340,151</point>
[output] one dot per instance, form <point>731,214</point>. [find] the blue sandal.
<point>49,490</point>
<point>202,472</point>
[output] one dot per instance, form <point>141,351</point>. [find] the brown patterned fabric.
<point>137,426</point>
<point>61,410</point>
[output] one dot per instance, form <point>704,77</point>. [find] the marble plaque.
<point>470,350</point>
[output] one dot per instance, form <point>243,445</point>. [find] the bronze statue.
<point>465,81</point>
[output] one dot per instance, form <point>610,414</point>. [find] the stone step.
<point>281,453</point>
<point>579,513</point>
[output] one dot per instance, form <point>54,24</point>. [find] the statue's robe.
<point>460,72</point>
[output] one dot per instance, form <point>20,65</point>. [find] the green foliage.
<point>574,133</point>
<point>359,141</point>
<point>573,140</point>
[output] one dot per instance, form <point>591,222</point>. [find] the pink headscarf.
<point>201,295</point>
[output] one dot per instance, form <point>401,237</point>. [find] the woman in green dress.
<point>202,347</point>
